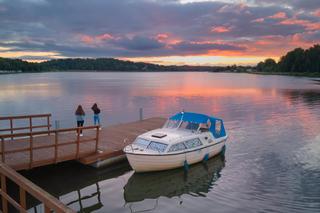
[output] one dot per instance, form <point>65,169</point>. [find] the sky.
<point>195,32</point>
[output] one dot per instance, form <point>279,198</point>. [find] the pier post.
<point>57,124</point>
<point>141,114</point>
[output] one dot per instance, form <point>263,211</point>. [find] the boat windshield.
<point>141,142</point>
<point>172,124</point>
<point>189,125</point>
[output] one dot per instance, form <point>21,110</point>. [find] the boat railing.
<point>127,146</point>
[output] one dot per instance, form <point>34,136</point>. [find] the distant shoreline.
<point>105,71</point>
<point>295,74</point>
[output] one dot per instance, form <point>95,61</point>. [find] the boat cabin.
<point>183,131</point>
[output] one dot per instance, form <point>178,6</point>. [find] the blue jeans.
<point>80,124</point>
<point>96,119</point>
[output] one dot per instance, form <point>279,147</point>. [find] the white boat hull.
<point>156,162</point>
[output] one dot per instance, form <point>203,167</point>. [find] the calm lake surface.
<point>272,161</point>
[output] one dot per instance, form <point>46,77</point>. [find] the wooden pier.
<point>39,145</point>
<point>39,148</point>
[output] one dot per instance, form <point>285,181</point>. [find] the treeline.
<point>100,64</point>
<point>296,61</point>
<point>7,64</point>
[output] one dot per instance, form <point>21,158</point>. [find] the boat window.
<point>156,146</point>
<point>218,127</point>
<point>188,125</point>
<point>177,147</point>
<point>171,124</point>
<point>193,143</point>
<point>204,127</point>
<point>141,142</point>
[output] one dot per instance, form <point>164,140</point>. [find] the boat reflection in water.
<point>197,181</point>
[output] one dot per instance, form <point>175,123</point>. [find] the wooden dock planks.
<point>111,143</point>
<point>112,138</point>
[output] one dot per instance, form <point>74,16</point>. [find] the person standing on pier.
<point>80,117</point>
<point>96,114</point>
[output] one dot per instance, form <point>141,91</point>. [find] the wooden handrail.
<point>22,128</point>
<point>30,127</point>
<point>24,134</point>
<point>24,116</point>
<point>50,203</point>
<point>55,145</point>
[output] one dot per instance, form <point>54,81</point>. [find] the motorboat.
<point>186,138</point>
<point>198,181</point>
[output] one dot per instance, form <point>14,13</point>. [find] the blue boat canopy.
<point>216,127</point>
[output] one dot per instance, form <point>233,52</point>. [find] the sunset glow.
<point>194,32</point>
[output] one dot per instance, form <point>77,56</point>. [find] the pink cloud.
<point>105,36</point>
<point>308,25</point>
<point>168,39</point>
<point>280,15</point>
<point>87,39</point>
<point>162,36</point>
<point>277,45</point>
<point>317,13</point>
<point>220,29</point>
<point>258,20</point>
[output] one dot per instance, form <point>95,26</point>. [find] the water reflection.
<point>273,151</point>
<point>77,185</point>
<point>310,97</point>
<point>198,181</point>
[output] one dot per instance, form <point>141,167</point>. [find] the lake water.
<point>272,161</point>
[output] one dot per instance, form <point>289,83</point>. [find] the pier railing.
<point>51,140</point>
<point>51,204</point>
<point>26,118</point>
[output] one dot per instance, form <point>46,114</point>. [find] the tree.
<point>269,65</point>
<point>295,61</point>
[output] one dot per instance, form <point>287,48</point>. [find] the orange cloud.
<point>305,23</point>
<point>94,39</point>
<point>167,39</point>
<point>275,46</point>
<point>220,29</point>
<point>258,20</point>
<point>86,39</point>
<point>105,36</point>
<point>317,13</point>
<point>280,15</point>
<point>161,37</point>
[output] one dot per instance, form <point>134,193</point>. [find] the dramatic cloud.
<point>45,29</point>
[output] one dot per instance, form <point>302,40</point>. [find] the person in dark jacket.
<point>96,114</point>
<point>80,117</point>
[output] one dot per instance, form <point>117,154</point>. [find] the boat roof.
<point>193,117</point>
<point>201,119</point>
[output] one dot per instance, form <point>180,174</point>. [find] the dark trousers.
<point>80,124</point>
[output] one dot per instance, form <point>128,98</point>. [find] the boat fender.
<point>206,157</point>
<point>185,165</point>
